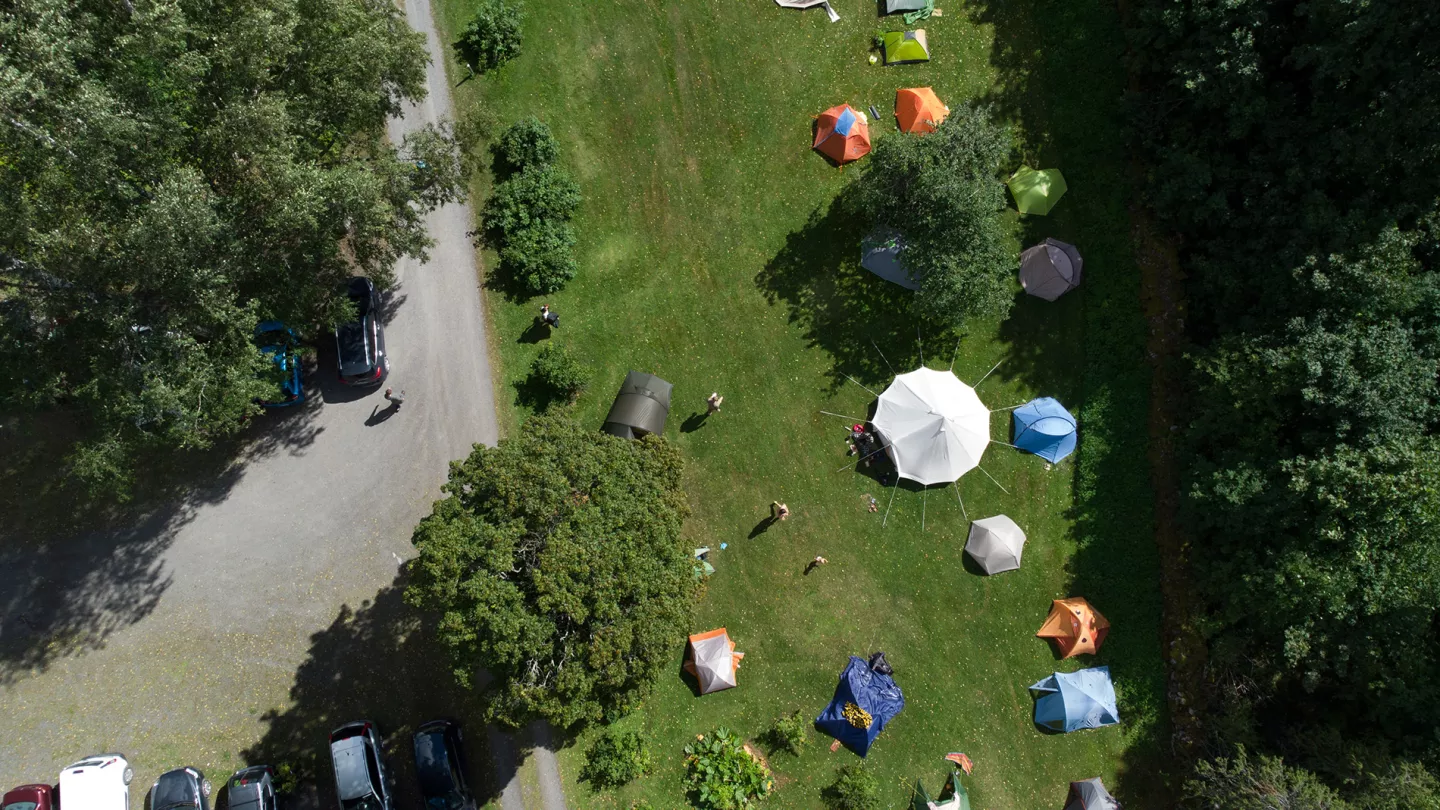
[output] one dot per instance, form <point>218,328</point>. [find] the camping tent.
<point>953,797</point>
<point>896,6</point>
<point>640,407</point>
<point>905,47</point>
<point>1045,428</point>
<point>1036,192</point>
<point>1051,269</point>
<point>1090,794</point>
<point>810,4</point>
<point>842,134</point>
<point>918,109</point>
<point>1075,626</point>
<point>1076,700</point>
<point>995,544</point>
<point>880,254</point>
<point>872,699</point>
<point>934,426</point>
<point>712,659</point>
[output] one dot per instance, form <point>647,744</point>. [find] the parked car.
<point>252,788</point>
<point>278,342</point>
<point>440,766</point>
<point>360,343</point>
<point>29,797</point>
<point>101,782</point>
<point>361,780</point>
<point>181,789</point>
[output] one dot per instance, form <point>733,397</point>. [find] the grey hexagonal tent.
<point>880,254</point>
<point>1051,269</point>
<point>1090,794</point>
<point>640,407</point>
<point>996,544</point>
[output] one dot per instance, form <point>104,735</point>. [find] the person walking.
<point>549,318</point>
<point>712,403</point>
<point>815,563</point>
<point>779,511</point>
<point>395,400</point>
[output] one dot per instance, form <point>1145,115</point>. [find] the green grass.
<point>708,256</point>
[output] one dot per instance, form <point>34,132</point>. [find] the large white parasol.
<point>935,427</point>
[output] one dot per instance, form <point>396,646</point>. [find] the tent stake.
<point>882,356</point>
<point>987,374</point>
<point>852,379</point>
<point>892,503</point>
<point>965,514</point>
<point>992,480</point>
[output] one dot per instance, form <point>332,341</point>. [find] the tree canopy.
<point>555,564</point>
<point>174,170</point>
<point>944,193</point>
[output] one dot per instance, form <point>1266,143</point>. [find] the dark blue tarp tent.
<point>1075,700</point>
<point>873,693</point>
<point>1045,428</point>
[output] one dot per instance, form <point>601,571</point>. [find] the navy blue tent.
<point>871,692</point>
<point>1075,700</point>
<point>1045,428</point>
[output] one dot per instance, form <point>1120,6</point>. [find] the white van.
<point>101,782</point>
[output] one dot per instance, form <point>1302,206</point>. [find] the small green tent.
<point>953,797</point>
<point>905,47</point>
<point>1036,191</point>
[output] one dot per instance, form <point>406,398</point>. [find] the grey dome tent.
<point>880,254</point>
<point>640,408</point>
<point>1051,269</point>
<point>995,544</point>
<point>1090,794</point>
<point>897,6</point>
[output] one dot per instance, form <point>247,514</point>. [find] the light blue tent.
<point>1074,700</point>
<point>1045,428</point>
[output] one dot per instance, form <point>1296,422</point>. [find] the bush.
<point>560,374</point>
<point>615,758</point>
<point>537,194</point>
<point>540,259</point>
<point>492,37</point>
<point>722,775</point>
<point>526,143</point>
<point>790,732</point>
<point>854,788</point>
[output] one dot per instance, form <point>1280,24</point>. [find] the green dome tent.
<point>1036,191</point>
<point>905,47</point>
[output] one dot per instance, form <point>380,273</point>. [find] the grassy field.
<point>709,255</point>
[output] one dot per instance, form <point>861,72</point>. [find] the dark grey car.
<point>360,343</point>
<point>361,779</point>
<point>440,766</point>
<point>180,789</point>
<point>252,788</point>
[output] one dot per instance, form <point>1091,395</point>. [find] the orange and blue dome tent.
<point>842,134</point>
<point>918,109</point>
<point>1075,627</point>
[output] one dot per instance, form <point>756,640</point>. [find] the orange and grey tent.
<point>842,134</point>
<point>918,109</point>
<point>712,659</point>
<point>1075,626</point>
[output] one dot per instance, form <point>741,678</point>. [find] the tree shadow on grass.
<point>862,321</point>
<point>74,569</point>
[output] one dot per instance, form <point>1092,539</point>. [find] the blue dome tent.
<point>1045,428</point>
<point>1076,700</point>
<point>873,693</point>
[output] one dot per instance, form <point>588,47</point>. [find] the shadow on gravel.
<point>74,570</point>
<point>377,662</point>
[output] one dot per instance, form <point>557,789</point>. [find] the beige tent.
<point>995,544</point>
<point>712,659</point>
<point>1050,270</point>
<point>802,4</point>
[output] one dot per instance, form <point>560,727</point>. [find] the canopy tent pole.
<point>892,503</point>
<point>862,458</point>
<point>852,379</point>
<point>924,496</point>
<point>1013,407</point>
<point>1007,444</point>
<point>965,514</point>
<point>987,374</point>
<point>992,479</point>
<point>956,354</point>
<point>843,416</point>
<point>919,344</point>
<point>882,356</point>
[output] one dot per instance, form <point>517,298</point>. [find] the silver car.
<point>361,780</point>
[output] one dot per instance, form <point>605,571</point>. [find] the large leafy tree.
<point>944,193</point>
<point>555,565</point>
<point>173,170</point>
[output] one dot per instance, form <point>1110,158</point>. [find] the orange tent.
<point>1075,626</point>
<point>918,109</point>
<point>842,134</point>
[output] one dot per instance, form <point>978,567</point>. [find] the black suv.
<point>360,344</point>
<point>440,766</point>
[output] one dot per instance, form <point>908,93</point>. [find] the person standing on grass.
<point>815,563</point>
<point>779,511</point>
<point>549,318</point>
<point>712,403</point>
<point>395,400</point>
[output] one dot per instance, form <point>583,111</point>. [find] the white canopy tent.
<point>934,426</point>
